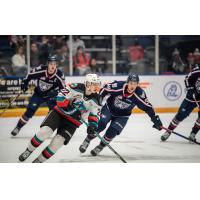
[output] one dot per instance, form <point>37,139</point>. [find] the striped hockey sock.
<point>34,143</point>
<point>46,154</point>
<point>174,123</point>
<point>196,127</point>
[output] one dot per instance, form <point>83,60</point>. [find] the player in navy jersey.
<point>49,81</point>
<point>192,83</point>
<point>123,97</point>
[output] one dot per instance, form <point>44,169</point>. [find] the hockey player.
<point>124,96</point>
<point>75,102</point>
<point>192,83</point>
<point>49,81</point>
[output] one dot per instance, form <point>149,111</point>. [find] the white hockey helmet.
<point>92,78</point>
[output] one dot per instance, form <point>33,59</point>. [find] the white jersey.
<point>88,105</point>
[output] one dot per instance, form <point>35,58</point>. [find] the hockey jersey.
<point>192,83</point>
<point>88,105</point>
<point>121,104</point>
<point>45,82</point>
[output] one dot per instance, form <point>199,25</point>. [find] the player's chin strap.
<point>10,103</point>
<point>182,136</point>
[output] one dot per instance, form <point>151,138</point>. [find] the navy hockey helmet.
<point>133,77</point>
<point>52,58</point>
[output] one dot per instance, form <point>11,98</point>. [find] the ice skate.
<point>192,137</point>
<point>97,150</point>
<point>24,155</point>
<point>165,136</point>
<point>15,131</point>
<point>83,147</point>
<point>36,161</point>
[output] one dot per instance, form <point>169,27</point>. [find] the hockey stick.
<point>120,157</point>
<point>178,134</point>
<point>13,100</point>
<point>195,101</point>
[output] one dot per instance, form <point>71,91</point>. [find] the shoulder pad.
<point>140,92</point>
<point>60,74</point>
<point>80,87</point>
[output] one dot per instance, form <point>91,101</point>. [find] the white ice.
<point>138,142</point>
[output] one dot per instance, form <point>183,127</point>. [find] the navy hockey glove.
<point>52,93</point>
<point>24,86</point>
<point>157,123</point>
<point>91,129</point>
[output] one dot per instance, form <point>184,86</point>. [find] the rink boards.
<point>164,92</point>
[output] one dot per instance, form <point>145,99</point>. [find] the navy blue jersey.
<point>46,82</point>
<point>192,83</point>
<point>121,104</point>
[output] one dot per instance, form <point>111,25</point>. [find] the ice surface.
<point>138,142</point>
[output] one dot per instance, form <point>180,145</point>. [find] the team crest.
<point>44,86</point>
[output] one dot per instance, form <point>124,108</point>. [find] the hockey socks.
<point>56,143</point>
<point>196,126</point>
<point>174,123</point>
<point>46,154</point>
<point>23,121</point>
<point>38,139</point>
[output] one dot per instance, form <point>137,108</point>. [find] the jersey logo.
<point>121,104</point>
<point>73,85</point>
<point>44,86</point>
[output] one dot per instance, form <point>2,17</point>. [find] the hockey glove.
<point>24,86</point>
<point>157,123</point>
<point>91,129</point>
<point>52,93</point>
<point>73,112</point>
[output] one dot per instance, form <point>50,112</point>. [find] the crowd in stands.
<point>91,54</point>
<point>179,65</point>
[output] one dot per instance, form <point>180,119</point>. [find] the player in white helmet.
<point>74,102</point>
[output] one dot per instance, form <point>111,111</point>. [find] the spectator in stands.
<point>58,42</point>
<point>34,55</point>
<point>94,67</point>
<point>196,56</point>
<point>76,43</point>
<point>63,59</point>
<point>45,50</point>
<point>178,66</point>
<point>190,59</point>
<point>135,52</point>
<point>18,62</point>
<point>135,59</point>
<point>16,41</point>
<point>81,62</point>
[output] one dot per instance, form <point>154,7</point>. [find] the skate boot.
<point>24,155</point>
<point>165,136</point>
<point>84,146</point>
<point>15,131</point>
<point>97,150</point>
<point>36,161</point>
<point>192,137</point>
